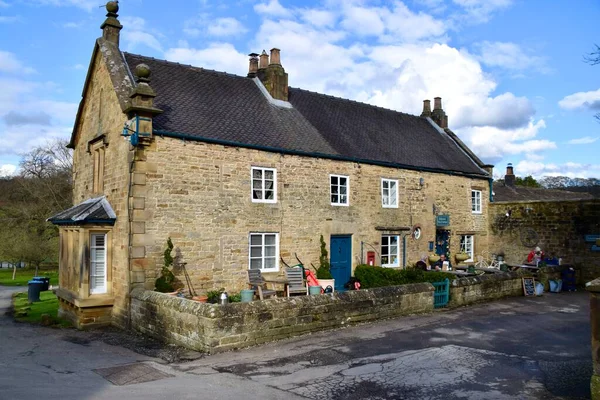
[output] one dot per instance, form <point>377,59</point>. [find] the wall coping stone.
<point>487,278</point>
<point>593,286</point>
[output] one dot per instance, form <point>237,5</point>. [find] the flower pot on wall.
<point>433,259</point>
<point>460,257</point>
<point>200,299</point>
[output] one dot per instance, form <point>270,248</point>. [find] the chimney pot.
<point>426,108</point>
<point>264,60</point>
<point>437,103</point>
<point>275,56</point>
<point>253,67</point>
<point>509,178</point>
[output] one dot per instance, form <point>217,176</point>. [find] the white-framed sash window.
<point>339,190</point>
<point>98,264</point>
<point>476,201</point>
<point>467,245</point>
<point>264,251</point>
<point>389,193</point>
<point>390,251</point>
<point>264,185</point>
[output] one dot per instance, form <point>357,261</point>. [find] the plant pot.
<point>460,257</point>
<point>433,259</point>
<point>200,299</point>
<point>247,295</point>
<point>327,282</point>
<point>314,290</point>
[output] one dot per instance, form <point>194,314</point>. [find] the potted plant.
<point>461,256</point>
<point>324,271</point>
<point>433,258</point>
<point>165,283</point>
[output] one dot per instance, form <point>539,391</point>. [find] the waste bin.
<point>43,279</point>
<point>33,293</point>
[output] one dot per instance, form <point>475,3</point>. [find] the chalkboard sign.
<point>529,286</point>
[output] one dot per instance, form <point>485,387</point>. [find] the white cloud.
<point>272,8</point>
<point>87,5</point>
<point>583,140</point>
<point>7,170</point>
<point>319,18</point>
<point>226,27</point>
<point>492,144</point>
<point>73,25</point>
<point>510,56</point>
<point>589,100</point>
<point>480,11</point>
<point>569,169</point>
<point>9,63</point>
<point>135,34</point>
<point>217,56</point>
<point>504,111</point>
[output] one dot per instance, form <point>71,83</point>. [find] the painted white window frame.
<point>388,197</point>
<point>476,201</point>
<point>388,253</point>
<point>94,289</point>
<point>262,246</point>
<point>263,188</point>
<point>338,186</point>
<point>467,245</point>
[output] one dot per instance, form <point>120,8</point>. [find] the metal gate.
<point>441,295</point>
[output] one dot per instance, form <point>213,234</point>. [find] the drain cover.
<point>131,374</point>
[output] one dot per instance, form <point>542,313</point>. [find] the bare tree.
<point>594,59</point>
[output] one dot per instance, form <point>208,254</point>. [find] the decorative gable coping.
<point>265,92</point>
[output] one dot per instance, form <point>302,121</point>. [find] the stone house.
<point>563,224</point>
<point>241,172</point>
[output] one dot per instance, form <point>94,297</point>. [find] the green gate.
<point>441,295</point>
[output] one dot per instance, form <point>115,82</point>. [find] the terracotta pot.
<point>200,299</point>
<point>433,259</point>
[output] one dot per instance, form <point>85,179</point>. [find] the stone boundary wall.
<point>484,288</point>
<point>215,328</point>
<point>593,288</point>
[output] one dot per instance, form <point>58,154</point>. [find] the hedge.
<point>372,277</point>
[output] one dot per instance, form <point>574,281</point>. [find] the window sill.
<point>264,201</point>
<point>340,205</point>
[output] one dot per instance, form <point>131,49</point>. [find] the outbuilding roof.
<point>215,106</point>
<point>92,211</point>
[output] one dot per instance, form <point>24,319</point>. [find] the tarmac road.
<point>520,348</point>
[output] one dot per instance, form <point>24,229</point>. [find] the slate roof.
<point>92,211</point>
<point>210,105</point>
<point>523,193</point>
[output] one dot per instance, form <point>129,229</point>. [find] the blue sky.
<point>510,72</point>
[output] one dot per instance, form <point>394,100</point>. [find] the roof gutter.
<point>186,136</point>
<point>84,222</point>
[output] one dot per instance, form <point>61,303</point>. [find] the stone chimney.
<point>509,178</point>
<point>272,75</point>
<point>438,115</point>
<point>111,27</point>
<point>426,109</point>
<point>253,68</point>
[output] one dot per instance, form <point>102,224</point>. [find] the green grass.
<point>24,275</point>
<point>32,312</point>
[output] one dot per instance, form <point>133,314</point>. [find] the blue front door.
<point>341,259</point>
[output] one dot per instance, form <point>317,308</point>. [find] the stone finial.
<point>142,72</point>
<point>264,60</point>
<point>253,67</point>
<point>111,27</point>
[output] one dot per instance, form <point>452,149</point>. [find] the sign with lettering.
<point>442,220</point>
<point>528,286</point>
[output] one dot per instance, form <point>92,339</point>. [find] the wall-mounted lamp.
<point>421,181</point>
<point>508,213</point>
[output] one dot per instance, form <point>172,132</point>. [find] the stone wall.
<point>199,195</point>
<point>559,227</point>
<point>483,288</point>
<point>216,328</point>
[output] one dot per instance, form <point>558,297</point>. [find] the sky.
<point>511,73</point>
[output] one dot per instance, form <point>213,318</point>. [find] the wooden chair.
<point>258,284</point>
<point>296,282</point>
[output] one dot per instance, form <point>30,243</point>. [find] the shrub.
<point>214,295</point>
<point>372,277</point>
<point>165,282</point>
<point>324,272</point>
<point>235,298</point>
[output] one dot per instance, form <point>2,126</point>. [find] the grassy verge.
<point>32,312</point>
<point>24,275</point>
